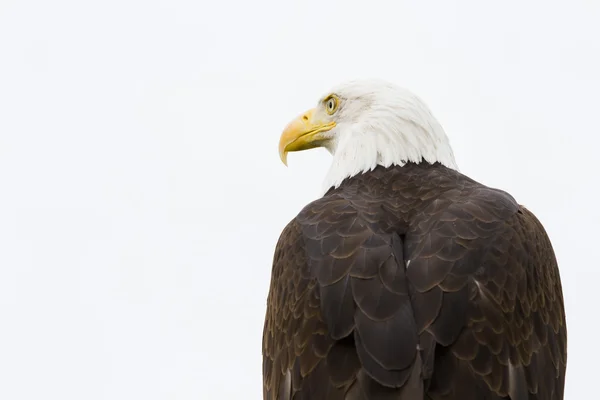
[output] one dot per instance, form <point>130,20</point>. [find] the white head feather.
<point>379,123</point>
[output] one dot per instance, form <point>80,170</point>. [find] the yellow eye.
<point>331,104</point>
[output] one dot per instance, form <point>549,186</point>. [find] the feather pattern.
<point>414,282</point>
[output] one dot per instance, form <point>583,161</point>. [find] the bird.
<point>407,279</point>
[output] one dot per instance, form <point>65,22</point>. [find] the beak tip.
<point>283,157</point>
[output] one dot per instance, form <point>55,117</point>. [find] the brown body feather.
<point>414,282</point>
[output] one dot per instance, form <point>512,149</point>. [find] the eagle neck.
<point>366,146</point>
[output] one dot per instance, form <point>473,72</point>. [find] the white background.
<point>141,193</point>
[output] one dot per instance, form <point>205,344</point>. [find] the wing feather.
<point>415,296</point>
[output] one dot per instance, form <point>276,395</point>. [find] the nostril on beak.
<point>304,118</point>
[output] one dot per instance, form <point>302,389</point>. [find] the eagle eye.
<point>331,104</point>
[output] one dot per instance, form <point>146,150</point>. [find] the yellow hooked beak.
<point>303,133</point>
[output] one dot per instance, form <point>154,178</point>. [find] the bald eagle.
<point>407,279</point>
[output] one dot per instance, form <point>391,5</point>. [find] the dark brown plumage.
<point>414,282</point>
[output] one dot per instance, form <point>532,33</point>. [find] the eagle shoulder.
<point>487,298</point>
<point>337,304</point>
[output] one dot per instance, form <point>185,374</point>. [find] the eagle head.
<point>366,123</point>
